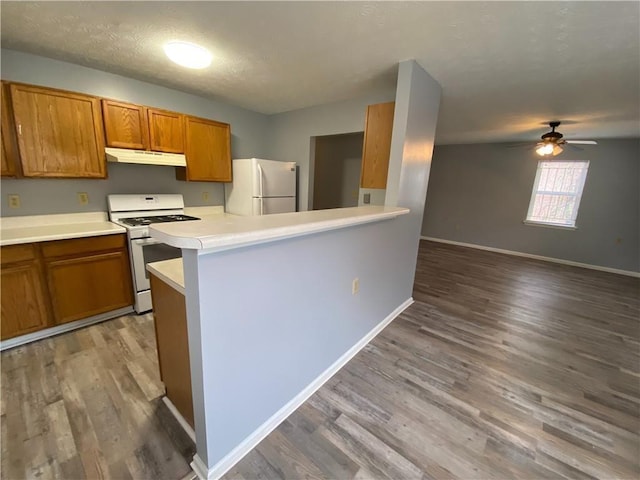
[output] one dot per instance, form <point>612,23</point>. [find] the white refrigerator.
<point>261,187</point>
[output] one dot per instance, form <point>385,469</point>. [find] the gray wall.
<point>414,128</point>
<point>42,196</point>
<point>480,194</point>
<point>292,132</point>
<point>336,179</point>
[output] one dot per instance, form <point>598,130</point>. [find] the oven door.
<point>148,250</point>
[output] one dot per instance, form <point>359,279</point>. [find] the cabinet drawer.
<point>78,246</point>
<point>17,253</point>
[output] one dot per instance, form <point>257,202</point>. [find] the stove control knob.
<point>145,232</point>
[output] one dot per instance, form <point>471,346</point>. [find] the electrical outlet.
<point>14,201</point>
<point>367,198</point>
<point>83,198</point>
<point>205,196</point>
<point>355,286</point>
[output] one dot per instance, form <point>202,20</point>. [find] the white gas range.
<point>136,213</point>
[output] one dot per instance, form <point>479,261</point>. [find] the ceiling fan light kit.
<point>544,149</point>
<point>552,142</point>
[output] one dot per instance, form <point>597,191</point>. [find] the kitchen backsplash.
<point>49,196</point>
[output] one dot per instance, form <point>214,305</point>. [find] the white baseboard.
<point>181,420</point>
<point>267,427</point>
<point>65,327</point>
<point>628,273</point>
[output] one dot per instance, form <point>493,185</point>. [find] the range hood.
<point>124,155</point>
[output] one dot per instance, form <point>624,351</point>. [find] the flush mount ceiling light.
<point>188,54</point>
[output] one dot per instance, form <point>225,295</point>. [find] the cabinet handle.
<point>19,129</point>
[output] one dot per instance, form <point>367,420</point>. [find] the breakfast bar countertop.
<point>231,231</point>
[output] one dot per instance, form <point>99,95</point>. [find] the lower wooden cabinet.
<point>24,298</point>
<point>88,285</point>
<point>52,283</point>
<point>170,315</point>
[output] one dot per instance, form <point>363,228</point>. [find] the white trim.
<point>628,273</point>
<point>534,223</point>
<point>58,329</point>
<point>199,467</point>
<point>181,420</point>
<point>244,447</point>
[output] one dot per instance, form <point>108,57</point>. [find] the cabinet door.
<point>170,315</point>
<point>166,131</point>
<point>89,285</point>
<point>24,307</point>
<point>208,150</point>
<point>7,132</point>
<point>377,145</point>
<point>125,125</point>
<point>59,133</point>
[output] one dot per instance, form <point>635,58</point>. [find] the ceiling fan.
<point>553,141</point>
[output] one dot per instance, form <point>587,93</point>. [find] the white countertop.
<point>42,228</point>
<point>232,231</point>
<point>205,212</point>
<point>169,271</point>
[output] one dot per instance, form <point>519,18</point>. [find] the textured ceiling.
<point>505,67</point>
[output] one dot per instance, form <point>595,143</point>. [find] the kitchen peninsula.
<point>275,306</point>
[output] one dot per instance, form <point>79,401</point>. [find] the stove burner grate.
<point>142,221</point>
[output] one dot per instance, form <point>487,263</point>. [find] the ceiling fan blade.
<point>518,145</point>
<point>582,142</point>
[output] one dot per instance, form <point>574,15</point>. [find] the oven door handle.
<point>145,241</point>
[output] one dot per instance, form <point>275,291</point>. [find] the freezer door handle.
<point>260,180</point>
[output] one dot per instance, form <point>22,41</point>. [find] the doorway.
<point>336,176</point>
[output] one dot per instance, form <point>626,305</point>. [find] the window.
<point>556,192</point>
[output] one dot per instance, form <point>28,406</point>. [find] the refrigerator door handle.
<point>261,205</point>
<point>261,181</point>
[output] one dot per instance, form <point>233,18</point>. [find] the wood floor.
<point>503,368</point>
<point>86,404</point>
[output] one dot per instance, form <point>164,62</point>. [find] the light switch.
<point>367,198</point>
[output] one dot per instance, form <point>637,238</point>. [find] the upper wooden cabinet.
<point>377,145</point>
<point>166,131</point>
<point>208,151</point>
<point>125,125</point>
<point>9,153</point>
<point>59,133</point>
